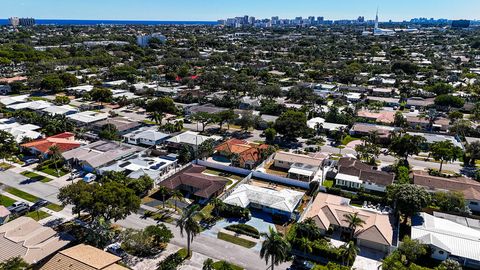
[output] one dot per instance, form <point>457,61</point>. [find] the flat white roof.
<point>349,178</point>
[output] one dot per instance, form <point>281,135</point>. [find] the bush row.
<point>244,229</point>
<point>231,211</point>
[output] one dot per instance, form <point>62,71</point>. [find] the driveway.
<point>42,190</point>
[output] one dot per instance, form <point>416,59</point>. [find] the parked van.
<point>89,178</point>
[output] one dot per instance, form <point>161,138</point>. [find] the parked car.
<point>116,250</point>
<point>31,161</point>
<point>39,204</point>
<point>75,175</point>
<point>89,178</point>
<point>18,208</point>
<point>18,204</point>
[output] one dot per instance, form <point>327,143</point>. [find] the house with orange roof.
<point>64,141</point>
<point>329,213</point>
<point>242,153</point>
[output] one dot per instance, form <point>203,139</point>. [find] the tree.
<point>61,100</point>
<point>450,201</point>
<point>226,117</point>
<point>246,120</point>
<point>304,244</point>
<point>208,264</point>
<point>177,195</point>
<point>270,135</point>
<point>188,224</point>
<point>408,199</point>
<point>368,151</point>
<point>403,175</point>
<point>15,263</point>
<point>412,249</point>
<point>449,101</point>
<point>162,105</point>
<point>405,256</point>
<point>349,252</point>
<point>291,124</point>
<point>164,192</point>
<point>354,221</point>
<point>204,118</point>
<point>109,132</point>
<point>449,264</point>
<point>440,89</point>
<point>400,120</point>
<point>156,117</point>
<point>445,151</point>
<point>274,248</point>
<point>406,145</point>
<point>56,156</point>
<point>52,83</point>
<point>146,242</point>
<point>68,79</point>
<point>206,148</point>
<point>472,151</point>
<point>101,94</point>
<point>8,145</point>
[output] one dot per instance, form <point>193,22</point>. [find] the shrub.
<point>171,262</point>
<point>244,229</point>
<point>232,211</point>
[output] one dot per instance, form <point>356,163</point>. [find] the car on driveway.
<point>39,204</point>
<point>89,178</point>
<point>31,161</point>
<point>18,208</point>
<point>75,175</point>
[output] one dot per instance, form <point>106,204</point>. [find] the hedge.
<point>231,211</point>
<point>244,229</point>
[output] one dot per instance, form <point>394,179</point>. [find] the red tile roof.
<point>246,151</point>
<point>65,142</point>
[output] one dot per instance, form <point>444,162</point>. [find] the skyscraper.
<point>14,21</point>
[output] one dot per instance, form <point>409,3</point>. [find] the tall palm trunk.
<point>273,261</point>
<point>188,244</point>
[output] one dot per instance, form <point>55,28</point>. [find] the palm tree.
<point>305,245</point>
<point>187,223</point>
<point>349,252</point>
<point>216,202</point>
<point>164,192</point>
<point>353,222</point>
<point>274,248</point>
<point>208,264</point>
<point>177,196</point>
<point>156,117</point>
<point>55,156</point>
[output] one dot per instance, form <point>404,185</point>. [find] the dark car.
<point>19,210</point>
<point>31,161</point>
<point>39,204</point>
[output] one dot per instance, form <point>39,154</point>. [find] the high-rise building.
<point>320,19</point>
<point>361,19</point>
<point>27,21</point>
<point>14,21</point>
<point>143,40</point>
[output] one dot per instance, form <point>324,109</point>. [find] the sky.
<point>212,10</point>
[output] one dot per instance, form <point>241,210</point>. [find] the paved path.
<point>45,191</point>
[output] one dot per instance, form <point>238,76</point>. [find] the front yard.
<point>36,177</point>
<point>29,197</point>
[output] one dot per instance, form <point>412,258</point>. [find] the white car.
<point>89,178</point>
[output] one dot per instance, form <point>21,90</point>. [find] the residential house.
<point>10,100</point>
<point>60,110</point>
<point>354,174</point>
<point>468,187</point>
<point>149,136</point>
<point>383,92</point>
<point>99,154</point>
<point>206,108</point>
<point>420,103</point>
<point>381,117</point>
<point>448,239</point>
<point>122,125</point>
<point>329,211</point>
<point>365,129</point>
<point>195,184</point>
<point>87,118</point>
<point>388,101</point>
<point>300,167</point>
<point>36,105</point>
<point>432,138</point>
<point>242,153</point>
<point>279,202</point>
<point>4,215</point>
<point>83,257</point>
<point>19,131</point>
<point>25,238</point>
<point>64,141</point>
<point>141,164</point>
<point>189,138</point>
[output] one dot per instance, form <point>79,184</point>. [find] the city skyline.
<point>189,10</point>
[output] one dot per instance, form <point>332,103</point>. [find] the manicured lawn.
<point>224,174</point>
<point>236,240</point>
<point>24,195</point>
<point>53,172</point>
<point>207,211</point>
<point>349,139</point>
<point>218,265</point>
<point>6,201</point>
<point>36,177</point>
<point>5,166</point>
<point>37,216</point>
<point>328,183</point>
<point>55,207</point>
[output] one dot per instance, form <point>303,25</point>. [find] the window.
<point>474,203</point>
<point>441,252</point>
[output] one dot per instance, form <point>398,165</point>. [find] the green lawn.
<point>53,172</point>
<point>6,201</point>
<point>29,197</point>
<point>349,139</point>
<point>36,177</point>
<point>218,265</point>
<point>5,166</point>
<point>224,174</point>
<point>207,211</point>
<point>328,183</point>
<point>236,240</point>
<point>37,215</point>
<point>22,194</point>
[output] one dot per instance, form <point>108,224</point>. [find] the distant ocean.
<point>112,22</point>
